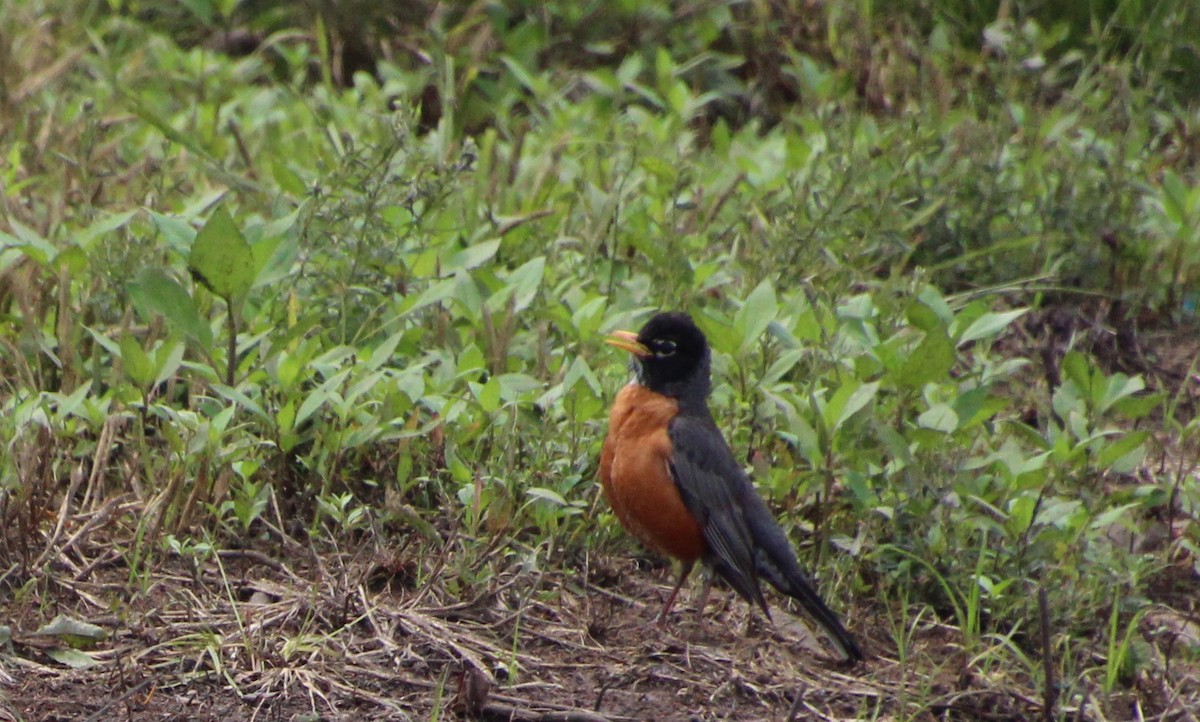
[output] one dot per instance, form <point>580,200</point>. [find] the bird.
<point>673,481</point>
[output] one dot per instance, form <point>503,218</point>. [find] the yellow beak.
<point>627,340</point>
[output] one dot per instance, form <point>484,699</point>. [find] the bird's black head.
<point>670,356</point>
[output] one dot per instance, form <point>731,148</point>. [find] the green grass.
<point>269,297</point>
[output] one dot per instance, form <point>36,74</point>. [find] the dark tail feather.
<point>792,582</point>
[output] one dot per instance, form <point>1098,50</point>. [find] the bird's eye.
<point>665,348</point>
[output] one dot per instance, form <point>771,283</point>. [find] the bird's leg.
<point>751,619</point>
<point>702,598</point>
<point>684,571</point>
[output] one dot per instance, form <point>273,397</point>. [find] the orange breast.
<point>637,480</point>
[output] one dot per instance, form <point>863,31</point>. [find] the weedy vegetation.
<point>302,388</point>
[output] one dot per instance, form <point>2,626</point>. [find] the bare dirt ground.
<point>246,638</point>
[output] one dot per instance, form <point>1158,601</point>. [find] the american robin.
<point>674,483</point>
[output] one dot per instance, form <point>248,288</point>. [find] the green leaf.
<point>990,324</point>
<point>177,232</point>
<point>221,258</point>
<point>930,361</point>
<point>1175,205</point>
<point>488,395</point>
<point>72,658</point>
<point>1118,387</point>
<point>1137,407</point>
<point>471,257</point>
<point>858,308</point>
<point>922,317</point>
<point>541,493</point>
<point>74,631</point>
<point>274,257</point>
<point>580,370</point>
<point>73,260</point>
<point>514,386</point>
<point>781,366</point>
<point>847,401</point>
<point>976,406</point>
<point>29,242</point>
<point>167,359</point>
<point>155,292</point>
<point>1075,367</point>
<point>320,396</point>
<point>757,312</point>
<point>1105,519</point>
<point>241,399</point>
<point>136,363</point>
<point>525,282</point>
<point>109,223</point>
<point>384,351</point>
<point>288,179</point>
<point>806,440</point>
<point>1112,451</point>
<point>939,417</point>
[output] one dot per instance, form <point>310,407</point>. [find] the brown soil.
<point>248,638</point>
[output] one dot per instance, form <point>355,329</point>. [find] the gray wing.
<point>713,487</point>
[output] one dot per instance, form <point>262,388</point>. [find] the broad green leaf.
<point>73,631</point>
<point>990,324</point>
<point>288,179</point>
<point>860,308</point>
<point>488,395</point>
<point>238,397</point>
<point>525,282</point>
<point>471,257</point>
<point>167,359</point>
<point>1105,519</point>
<point>541,493</point>
<point>72,658</point>
<point>930,361</point>
<point>29,243</point>
<point>136,362</point>
<point>923,317</point>
<point>221,259</point>
<point>782,365</point>
<point>580,371</point>
<point>939,417</point>
<point>1137,407</point>
<point>73,260</point>
<point>1075,367</point>
<point>847,401</point>
<point>321,395</point>
<point>383,352</point>
<point>1058,512</point>
<point>1114,450</point>
<point>514,386</point>
<point>154,291</point>
<point>113,348</point>
<point>933,299</point>
<point>588,317</point>
<point>1020,514</point>
<point>1118,387</point>
<point>976,406</point>
<point>274,257</point>
<point>1066,401</point>
<point>756,313</point>
<point>1174,197</point>
<point>109,223</point>
<point>807,440</point>
<point>437,292</point>
<point>177,232</point>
